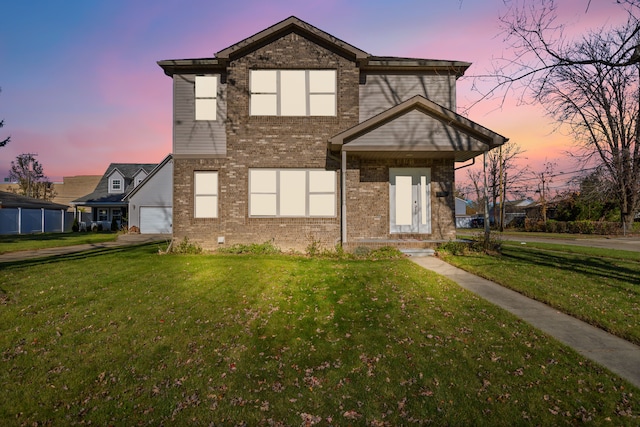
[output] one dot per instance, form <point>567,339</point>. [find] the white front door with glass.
<point>410,200</point>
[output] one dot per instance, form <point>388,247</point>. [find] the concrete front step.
<point>413,252</point>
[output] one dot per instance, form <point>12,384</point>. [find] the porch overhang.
<point>417,128</point>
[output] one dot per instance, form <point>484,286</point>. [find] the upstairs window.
<point>116,185</point>
<point>206,94</point>
<point>293,93</point>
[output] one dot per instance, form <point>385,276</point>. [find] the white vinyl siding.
<point>205,194</point>
<point>292,193</point>
<point>293,93</point>
<point>206,89</point>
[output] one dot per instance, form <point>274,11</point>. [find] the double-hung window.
<point>206,90</point>
<point>293,93</point>
<point>205,190</point>
<point>292,193</point>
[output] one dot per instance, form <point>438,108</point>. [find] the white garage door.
<point>155,220</point>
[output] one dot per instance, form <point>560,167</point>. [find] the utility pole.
<point>487,231</point>
<point>543,201</point>
<point>499,193</point>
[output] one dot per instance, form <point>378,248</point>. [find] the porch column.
<point>343,193</point>
<point>19,220</point>
<point>42,219</point>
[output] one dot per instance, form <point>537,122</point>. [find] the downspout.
<point>473,162</point>
<point>343,195</point>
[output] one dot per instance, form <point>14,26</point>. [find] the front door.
<point>410,200</point>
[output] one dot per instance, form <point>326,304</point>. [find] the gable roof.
<point>12,200</point>
<point>448,133</point>
<point>149,176</point>
<point>101,195</point>
<point>365,61</point>
<point>291,24</point>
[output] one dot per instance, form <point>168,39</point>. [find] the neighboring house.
<point>463,217</point>
<point>151,201</point>
<point>107,201</point>
<point>66,191</point>
<point>514,210</point>
<point>296,137</point>
<point>26,215</point>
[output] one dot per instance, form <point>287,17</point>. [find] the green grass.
<point>24,242</point>
<point>584,250</point>
<point>599,286</point>
<point>130,337</point>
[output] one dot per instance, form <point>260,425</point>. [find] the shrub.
<point>314,247</point>
<point>361,251</point>
<point>385,252</point>
<point>455,247</point>
<point>266,248</point>
<point>475,245</point>
<point>76,225</point>
<point>185,247</point>
<point>114,225</point>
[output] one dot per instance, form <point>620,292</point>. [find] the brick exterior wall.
<point>268,142</point>
<point>368,203</point>
<point>299,142</point>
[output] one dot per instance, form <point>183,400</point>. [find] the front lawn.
<point>25,242</point>
<point>599,286</point>
<point>136,338</point>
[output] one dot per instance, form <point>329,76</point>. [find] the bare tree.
<point>501,163</point>
<point>29,174</point>
<point>544,180</point>
<point>590,85</point>
<point>5,141</point>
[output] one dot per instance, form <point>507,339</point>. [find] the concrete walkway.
<point>122,240</point>
<point>614,353</point>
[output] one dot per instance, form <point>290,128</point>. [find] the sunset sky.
<point>81,87</point>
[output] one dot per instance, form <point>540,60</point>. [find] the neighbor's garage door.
<point>155,220</point>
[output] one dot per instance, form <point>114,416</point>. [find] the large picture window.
<point>206,90</point>
<point>292,193</point>
<point>293,93</point>
<point>205,189</point>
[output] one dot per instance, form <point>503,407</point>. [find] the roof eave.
<point>191,66</point>
<point>416,65</point>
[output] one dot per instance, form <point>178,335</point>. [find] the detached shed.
<point>26,215</point>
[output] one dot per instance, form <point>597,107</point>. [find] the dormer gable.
<point>139,177</point>
<point>116,182</point>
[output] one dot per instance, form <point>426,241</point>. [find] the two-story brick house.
<point>294,136</point>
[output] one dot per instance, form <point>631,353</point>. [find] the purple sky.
<point>81,87</point>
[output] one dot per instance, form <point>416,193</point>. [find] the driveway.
<point>123,240</point>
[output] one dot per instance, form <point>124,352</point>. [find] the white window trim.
<point>309,95</point>
<point>202,194</point>
<point>112,185</point>
<point>309,195</point>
